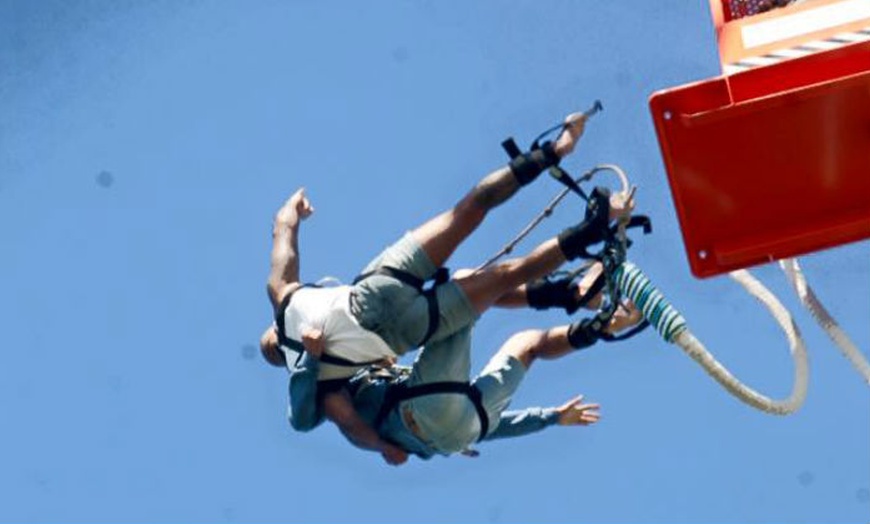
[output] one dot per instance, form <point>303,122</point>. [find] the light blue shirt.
<point>305,412</point>
<point>512,423</point>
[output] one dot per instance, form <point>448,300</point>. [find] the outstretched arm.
<point>523,422</point>
<point>338,408</point>
<point>284,275</point>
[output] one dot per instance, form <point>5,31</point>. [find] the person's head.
<point>270,349</point>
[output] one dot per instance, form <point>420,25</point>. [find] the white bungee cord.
<point>672,326</point>
<point>805,293</point>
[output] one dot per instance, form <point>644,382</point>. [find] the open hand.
<point>575,413</point>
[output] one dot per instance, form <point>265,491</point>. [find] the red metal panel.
<point>772,162</point>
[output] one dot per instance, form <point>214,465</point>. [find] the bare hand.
<point>394,455</point>
<point>574,413</point>
<point>575,123</point>
<point>296,208</point>
<point>313,342</point>
<point>625,316</point>
<point>621,205</point>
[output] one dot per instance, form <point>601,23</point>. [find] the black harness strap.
<point>434,317</point>
<point>297,346</point>
<point>596,287</point>
<point>280,327</point>
<point>441,276</point>
<point>607,337</point>
<point>399,392</point>
<point>402,276</point>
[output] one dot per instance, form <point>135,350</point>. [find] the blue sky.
<point>144,147</point>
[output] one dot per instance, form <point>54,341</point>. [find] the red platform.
<point>771,162</point>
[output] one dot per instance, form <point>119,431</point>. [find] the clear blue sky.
<point>144,147</point>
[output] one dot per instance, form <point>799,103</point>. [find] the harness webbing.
<point>441,276</point>
<point>399,392</point>
<point>400,275</point>
<point>297,346</point>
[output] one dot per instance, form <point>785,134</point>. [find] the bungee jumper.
<point>335,339</point>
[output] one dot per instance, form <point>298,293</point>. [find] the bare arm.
<point>338,408</point>
<point>284,274</point>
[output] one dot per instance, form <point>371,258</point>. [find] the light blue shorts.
<point>449,422</point>
<point>397,312</point>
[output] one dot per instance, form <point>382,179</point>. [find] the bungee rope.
<point>673,328</point>
<point>624,279</point>
<point>799,282</point>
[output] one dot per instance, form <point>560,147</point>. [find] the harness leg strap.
<point>434,315</point>
<point>441,276</point>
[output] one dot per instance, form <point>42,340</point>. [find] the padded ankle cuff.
<point>527,166</point>
<point>584,333</point>
<point>546,294</point>
<point>574,240</point>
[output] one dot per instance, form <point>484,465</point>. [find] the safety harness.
<point>298,347</point>
<point>587,331</point>
<point>615,243</point>
<point>399,391</point>
<point>441,276</point>
<point>526,166</point>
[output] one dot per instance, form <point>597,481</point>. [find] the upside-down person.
<point>435,408</point>
<point>387,312</point>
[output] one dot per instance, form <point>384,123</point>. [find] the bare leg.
<point>440,236</point>
<point>528,346</point>
<point>484,288</point>
<point>517,298</point>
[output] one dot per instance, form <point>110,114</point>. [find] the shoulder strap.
<point>297,346</point>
